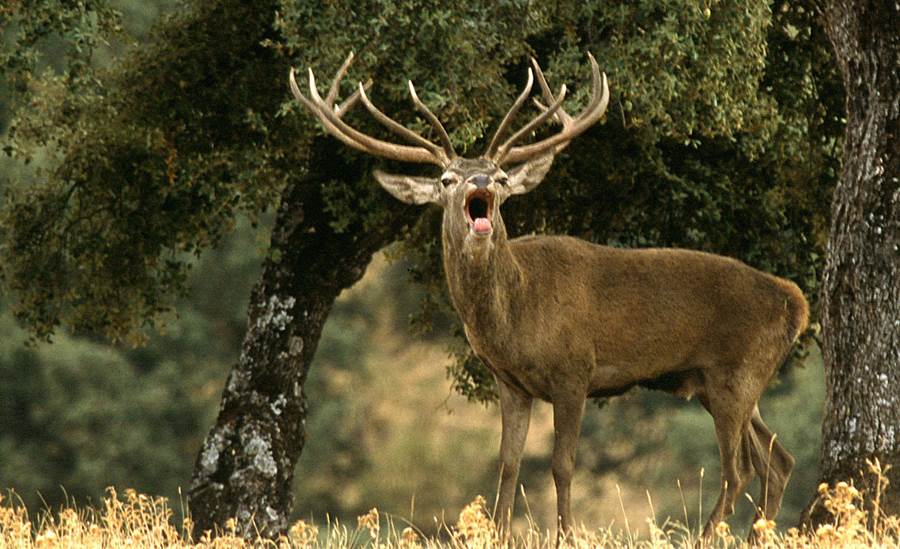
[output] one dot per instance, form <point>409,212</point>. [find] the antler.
<point>572,127</point>
<point>424,152</point>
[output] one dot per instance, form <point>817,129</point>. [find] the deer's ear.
<point>527,176</point>
<point>408,188</point>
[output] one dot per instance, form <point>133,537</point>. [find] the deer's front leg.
<point>515,409</point>
<point>567,413</point>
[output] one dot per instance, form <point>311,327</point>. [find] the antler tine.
<point>336,82</point>
<point>295,89</point>
<point>396,127</point>
<point>507,120</point>
<point>350,102</point>
<point>330,118</point>
<point>433,120</point>
<point>534,123</point>
<point>561,115</point>
<point>298,95</point>
<point>572,127</point>
<point>372,145</point>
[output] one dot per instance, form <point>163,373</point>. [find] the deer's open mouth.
<point>480,212</point>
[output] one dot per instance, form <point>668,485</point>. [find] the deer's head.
<point>470,190</point>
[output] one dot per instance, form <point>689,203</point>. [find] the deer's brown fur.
<point>561,319</point>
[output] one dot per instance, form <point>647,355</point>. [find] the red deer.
<point>561,319</point>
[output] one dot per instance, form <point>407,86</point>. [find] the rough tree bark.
<point>246,464</point>
<point>861,286</point>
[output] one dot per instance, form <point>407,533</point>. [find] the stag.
<point>561,319</point>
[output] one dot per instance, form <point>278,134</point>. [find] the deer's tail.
<point>797,309</point>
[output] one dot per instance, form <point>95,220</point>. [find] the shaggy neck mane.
<point>483,280</point>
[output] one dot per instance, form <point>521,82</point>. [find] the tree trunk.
<point>861,286</point>
<point>246,465</point>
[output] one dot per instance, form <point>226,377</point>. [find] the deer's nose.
<point>480,181</point>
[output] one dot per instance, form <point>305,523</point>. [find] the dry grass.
<point>136,520</point>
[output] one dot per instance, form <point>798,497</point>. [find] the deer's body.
<point>553,314</point>
<point>561,319</point>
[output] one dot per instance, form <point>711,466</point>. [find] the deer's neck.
<point>483,277</point>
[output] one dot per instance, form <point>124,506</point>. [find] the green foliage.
<point>132,190</point>
<point>82,26</point>
<point>77,416</point>
<point>687,70</point>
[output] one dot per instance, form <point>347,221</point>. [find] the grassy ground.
<point>136,520</point>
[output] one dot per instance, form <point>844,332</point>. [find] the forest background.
<point>385,427</point>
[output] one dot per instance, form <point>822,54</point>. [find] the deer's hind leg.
<point>773,464</point>
<point>732,423</point>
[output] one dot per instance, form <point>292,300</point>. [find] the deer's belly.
<point>578,365</point>
<point>679,371</point>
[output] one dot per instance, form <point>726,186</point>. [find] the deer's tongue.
<point>482,225</point>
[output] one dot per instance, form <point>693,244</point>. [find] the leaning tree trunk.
<point>861,286</point>
<point>246,465</point>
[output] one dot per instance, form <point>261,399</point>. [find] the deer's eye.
<point>446,181</point>
<point>503,180</point>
